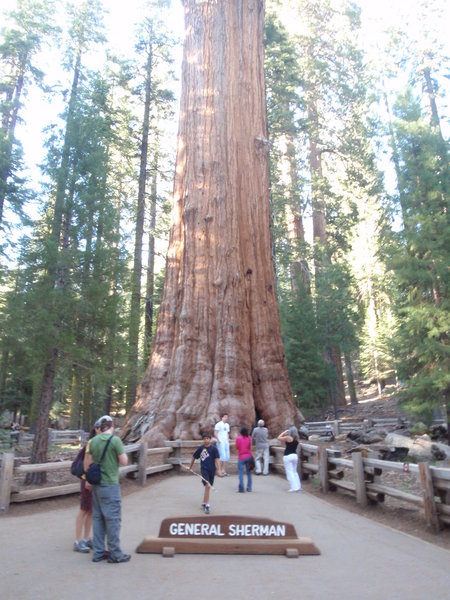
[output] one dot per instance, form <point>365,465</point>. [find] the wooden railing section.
<point>360,476</point>
<point>343,426</point>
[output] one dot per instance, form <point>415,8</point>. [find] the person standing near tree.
<point>290,458</point>
<point>222,435</point>
<point>260,437</point>
<point>106,499</point>
<point>83,522</point>
<point>244,446</point>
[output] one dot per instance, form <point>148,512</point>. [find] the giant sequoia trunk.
<point>217,344</point>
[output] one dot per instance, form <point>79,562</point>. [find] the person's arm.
<point>123,459</point>
<point>216,436</point>
<point>285,437</point>
<point>194,456</point>
<point>218,467</point>
<point>88,460</point>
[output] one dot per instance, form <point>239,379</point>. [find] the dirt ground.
<point>393,513</point>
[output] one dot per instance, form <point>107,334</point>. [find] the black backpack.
<point>76,467</point>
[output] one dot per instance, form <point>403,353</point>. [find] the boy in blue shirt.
<point>209,462</point>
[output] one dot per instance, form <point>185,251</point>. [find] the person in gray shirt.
<point>260,437</point>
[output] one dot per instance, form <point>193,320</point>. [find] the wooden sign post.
<point>227,534</point>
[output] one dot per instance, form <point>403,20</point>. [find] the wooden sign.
<point>227,534</point>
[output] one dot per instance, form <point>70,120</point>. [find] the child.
<point>209,462</point>
<point>83,522</point>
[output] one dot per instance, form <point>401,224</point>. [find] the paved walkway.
<point>360,559</point>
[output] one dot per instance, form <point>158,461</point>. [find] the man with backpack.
<point>107,450</point>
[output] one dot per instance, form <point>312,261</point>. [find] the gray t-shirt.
<point>260,436</point>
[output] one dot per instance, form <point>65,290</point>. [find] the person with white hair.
<point>290,459</point>
<point>260,435</point>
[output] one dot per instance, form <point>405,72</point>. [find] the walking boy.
<point>209,462</point>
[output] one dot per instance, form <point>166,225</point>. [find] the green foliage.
<point>309,373</point>
<point>70,285</point>
<point>336,306</point>
<point>70,290</point>
<point>283,78</point>
<point>321,161</point>
<point>418,258</point>
<point>28,28</point>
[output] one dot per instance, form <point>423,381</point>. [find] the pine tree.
<point>55,283</point>
<point>419,259</point>
<point>332,126</point>
<point>30,27</point>
<point>154,46</point>
<point>309,373</point>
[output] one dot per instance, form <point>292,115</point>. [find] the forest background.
<point>358,131</point>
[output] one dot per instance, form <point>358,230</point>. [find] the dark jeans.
<point>245,464</point>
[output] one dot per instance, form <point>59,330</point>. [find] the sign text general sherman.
<point>226,527</point>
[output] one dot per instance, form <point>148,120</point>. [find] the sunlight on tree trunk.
<point>218,344</point>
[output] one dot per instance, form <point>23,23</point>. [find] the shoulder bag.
<point>93,474</point>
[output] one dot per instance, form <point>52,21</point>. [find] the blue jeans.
<point>241,464</point>
<point>106,519</point>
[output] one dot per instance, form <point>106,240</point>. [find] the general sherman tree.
<point>217,344</point>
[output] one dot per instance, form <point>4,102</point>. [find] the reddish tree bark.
<point>217,344</point>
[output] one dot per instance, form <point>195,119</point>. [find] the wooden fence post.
<point>323,470</point>
<point>300,463</point>
<point>51,437</point>
<point>429,504</point>
<point>177,454</point>
<point>142,463</point>
<point>359,478</point>
<point>6,479</point>
<point>336,428</point>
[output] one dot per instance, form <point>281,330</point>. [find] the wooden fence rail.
<point>344,426</point>
<point>360,476</point>
<point>340,426</point>
<point>56,437</point>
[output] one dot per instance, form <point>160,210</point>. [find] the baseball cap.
<point>98,422</point>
